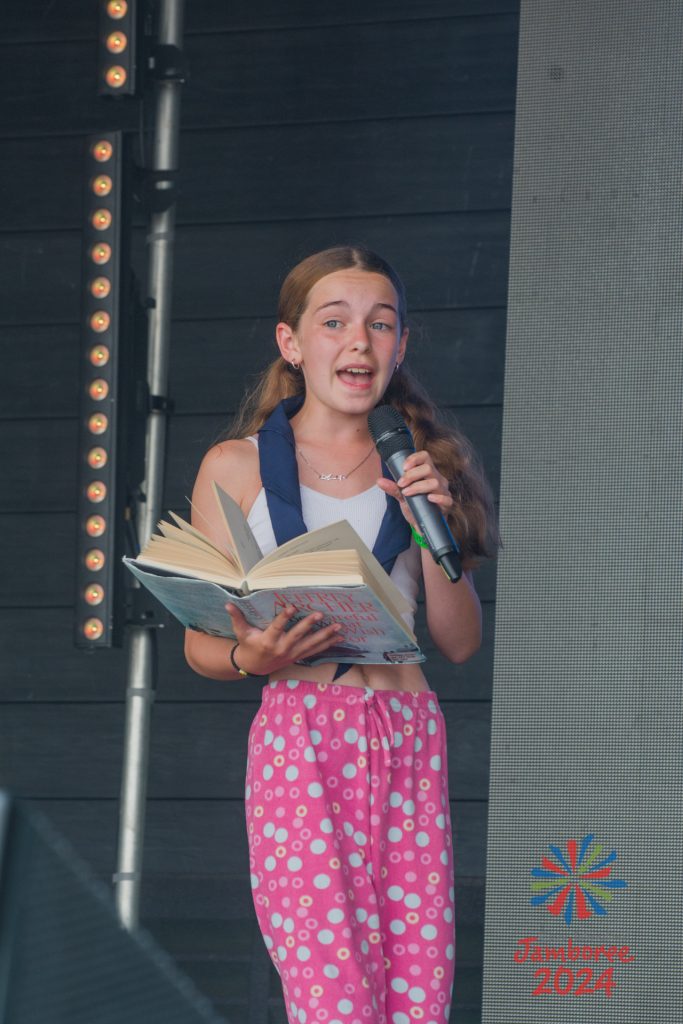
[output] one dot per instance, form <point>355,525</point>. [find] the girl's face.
<point>348,341</point>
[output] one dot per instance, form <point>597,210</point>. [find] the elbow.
<point>190,650</point>
<point>459,649</point>
<point>463,652</point>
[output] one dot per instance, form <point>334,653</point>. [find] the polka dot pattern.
<point>351,854</point>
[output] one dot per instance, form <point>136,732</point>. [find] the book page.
<point>194,540</point>
<point>342,536</point>
<point>247,552</point>
<point>192,531</point>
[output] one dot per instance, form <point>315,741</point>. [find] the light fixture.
<point>118,34</point>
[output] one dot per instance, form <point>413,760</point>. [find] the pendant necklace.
<point>335,476</point>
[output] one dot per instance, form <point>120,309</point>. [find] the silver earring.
<point>396,367</point>
<point>295,366</point>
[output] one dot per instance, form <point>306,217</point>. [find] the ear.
<point>401,351</point>
<point>287,343</point>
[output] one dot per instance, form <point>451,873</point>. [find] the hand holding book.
<point>328,573</point>
<point>262,651</point>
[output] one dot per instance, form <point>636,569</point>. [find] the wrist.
<point>241,671</point>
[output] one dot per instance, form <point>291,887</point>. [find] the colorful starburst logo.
<point>576,881</point>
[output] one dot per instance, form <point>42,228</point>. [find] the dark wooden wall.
<point>304,125</point>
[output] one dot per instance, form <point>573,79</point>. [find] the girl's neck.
<point>321,426</point>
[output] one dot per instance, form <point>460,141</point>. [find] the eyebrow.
<point>343,302</point>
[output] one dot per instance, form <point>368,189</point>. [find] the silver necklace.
<point>335,476</point>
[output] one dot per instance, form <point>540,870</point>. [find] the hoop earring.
<point>295,366</point>
<point>396,367</point>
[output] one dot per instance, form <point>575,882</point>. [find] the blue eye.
<point>331,323</point>
<point>381,326</point>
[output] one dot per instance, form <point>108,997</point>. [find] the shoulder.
<point>234,465</point>
<point>229,457</point>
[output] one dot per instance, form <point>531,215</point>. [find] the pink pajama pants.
<point>350,852</point>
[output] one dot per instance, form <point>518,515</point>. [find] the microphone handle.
<point>433,526</point>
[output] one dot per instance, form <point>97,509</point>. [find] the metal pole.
<point>140,690</point>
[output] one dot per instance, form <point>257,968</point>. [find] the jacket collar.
<point>280,479</point>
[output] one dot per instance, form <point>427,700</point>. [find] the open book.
<point>329,570</point>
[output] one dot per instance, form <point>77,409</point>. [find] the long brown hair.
<point>472,517</point>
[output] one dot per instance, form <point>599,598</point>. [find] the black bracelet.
<point>234,663</point>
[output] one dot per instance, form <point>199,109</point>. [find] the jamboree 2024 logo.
<point>574,884</point>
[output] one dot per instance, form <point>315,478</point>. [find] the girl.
<point>346,791</point>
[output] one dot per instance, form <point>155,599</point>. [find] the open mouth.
<point>356,377</point>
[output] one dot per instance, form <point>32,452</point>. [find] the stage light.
<point>94,560</point>
<point>117,56</point>
<point>97,491</point>
<point>101,220</point>
<point>102,150</point>
<point>93,629</point>
<point>95,526</point>
<point>100,287</point>
<point>100,367</point>
<point>98,423</point>
<point>99,355</point>
<point>117,42</point>
<point>94,594</point>
<point>116,76</point>
<point>97,458</point>
<point>99,321</point>
<point>117,9</point>
<point>102,185</point>
<point>98,389</point>
<point>100,253</point>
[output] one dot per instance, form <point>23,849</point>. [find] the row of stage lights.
<point>117,47</point>
<point>97,491</point>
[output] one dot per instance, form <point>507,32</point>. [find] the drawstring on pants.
<point>378,714</point>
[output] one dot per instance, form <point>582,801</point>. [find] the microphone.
<point>394,442</point>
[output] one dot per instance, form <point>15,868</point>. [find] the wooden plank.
<point>37,553</point>
<point>40,462</point>
<point>302,74</point>
<point>235,270</point>
<point>44,20</point>
<point>191,436</point>
<point>176,835</point>
<point>55,670</point>
<point>458,355</point>
<point>201,896</point>
<point>355,168</point>
<point>40,277</point>
<point>408,166</point>
<point>40,369</point>
<point>167,897</point>
<point>197,750</point>
<point>447,65</point>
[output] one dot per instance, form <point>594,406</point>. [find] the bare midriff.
<point>409,678</point>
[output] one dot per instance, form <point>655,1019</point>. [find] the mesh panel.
<point>587,726</point>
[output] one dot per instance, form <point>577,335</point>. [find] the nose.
<point>361,340</point>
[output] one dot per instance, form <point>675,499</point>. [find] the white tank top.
<point>364,512</point>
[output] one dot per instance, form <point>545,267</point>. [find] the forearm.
<point>453,611</point>
<point>210,655</point>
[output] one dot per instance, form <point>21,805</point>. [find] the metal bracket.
<point>168,64</point>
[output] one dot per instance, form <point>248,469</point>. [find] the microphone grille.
<point>389,431</point>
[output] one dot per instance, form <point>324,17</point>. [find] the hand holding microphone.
<point>395,445</point>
